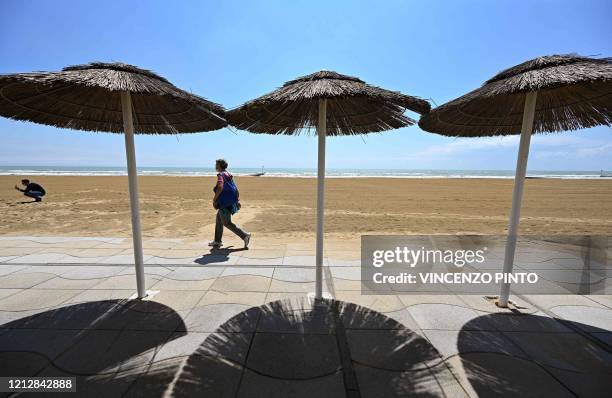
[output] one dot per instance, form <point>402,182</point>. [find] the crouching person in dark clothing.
<point>32,190</point>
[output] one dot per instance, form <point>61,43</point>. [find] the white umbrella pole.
<point>517,194</point>
<point>321,132</point>
<point>128,125</point>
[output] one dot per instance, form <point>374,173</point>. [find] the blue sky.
<point>232,51</point>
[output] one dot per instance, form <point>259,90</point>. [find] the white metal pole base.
<point>517,194</point>
<point>321,132</point>
<point>149,294</point>
<point>128,125</point>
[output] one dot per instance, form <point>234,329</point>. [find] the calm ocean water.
<point>294,172</point>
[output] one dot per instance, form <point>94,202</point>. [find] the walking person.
<point>32,190</point>
<point>227,203</point>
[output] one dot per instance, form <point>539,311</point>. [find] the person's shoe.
<point>214,243</point>
<point>38,199</point>
<point>247,239</point>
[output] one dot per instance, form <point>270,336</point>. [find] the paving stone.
<point>206,376</point>
<point>604,299</point>
<point>57,270</point>
<point>69,259</point>
<point>218,260</point>
<point>38,258</point>
<point>310,261</point>
<point>6,269</point>
<point>392,349</point>
<point>49,343</point>
<point>296,287</point>
<point>238,318</point>
<point>24,280</point>
<point>376,383</point>
<point>104,351</point>
<point>291,356</point>
<point>495,375</point>
<point>145,316</point>
<point>448,317</point>
<point>548,301</point>
<point>17,251</point>
<point>148,343</point>
<point>6,258</point>
<point>149,270</point>
<point>337,262</point>
<point>569,351</point>
<point>536,322</point>
<point>220,297</point>
<point>455,366</point>
<point>181,344</point>
<point>33,299</point>
<point>232,346</point>
<point>294,274</point>
<point>592,384</point>
<point>482,304</point>
<point>396,320</point>
<point>453,342</point>
<point>63,283</point>
<point>241,283</point>
<point>343,284</point>
<point>350,273</point>
<point>171,284</point>
<point>255,254</point>
<point>284,296</point>
<point>72,316</point>
<point>178,300</point>
<point>125,258</point>
<point>296,317</point>
<point>195,273</point>
<point>154,260</point>
<point>92,272</point>
<point>257,271</point>
<point>446,377</point>
<point>17,319</point>
<point>153,380</point>
<point>381,303</point>
<point>414,299</point>
<point>255,385</point>
<point>604,337</point>
<point>587,318</point>
<point>8,292</point>
<point>22,364</point>
<point>250,261</point>
<point>101,295</point>
<point>125,282</point>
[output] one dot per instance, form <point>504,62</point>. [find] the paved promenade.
<point>239,323</point>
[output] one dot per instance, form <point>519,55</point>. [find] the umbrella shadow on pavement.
<point>293,348</point>
<point>218,255</point>
<point>527,355</point>
<point>107,345</point>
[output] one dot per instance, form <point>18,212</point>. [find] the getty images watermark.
<point>474,264</point>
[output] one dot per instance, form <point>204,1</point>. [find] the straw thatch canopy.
<point>353,107</point>
<point>87,97</point>
<point>574,92</point>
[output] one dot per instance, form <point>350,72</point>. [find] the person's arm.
<point>218,190</point>
<point>19,189</point>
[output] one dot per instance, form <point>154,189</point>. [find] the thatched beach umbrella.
<point>547,94</point>
<point>111,97</point>
<point>336,105</point>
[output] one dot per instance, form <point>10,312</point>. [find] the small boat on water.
<point>603,174</point>
<point>259,174</point>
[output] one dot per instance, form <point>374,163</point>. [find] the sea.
<point>296,172</point>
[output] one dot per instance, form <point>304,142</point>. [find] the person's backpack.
<point>229,195</point>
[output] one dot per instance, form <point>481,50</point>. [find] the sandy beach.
<point>284,208</point>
